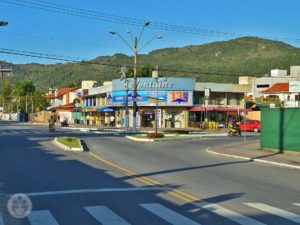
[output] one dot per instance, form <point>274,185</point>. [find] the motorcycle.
<point>235,131</point>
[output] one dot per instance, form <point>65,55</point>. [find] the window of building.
<point>262,85</point>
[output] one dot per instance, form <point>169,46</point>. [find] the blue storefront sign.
<point>169,91</point>
<point>150,98</point>
<point>150,84</point>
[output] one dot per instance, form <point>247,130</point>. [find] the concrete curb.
<point>139,139</point>
<point>208,150</point>
<point>67,148</point>
<point>161,139</point>
<point>80,128</point>
<point>184,137</point>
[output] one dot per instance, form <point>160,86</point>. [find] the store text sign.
<point>151,84</point>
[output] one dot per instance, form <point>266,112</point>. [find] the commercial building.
<point>67,102</point>
<point>259,84</point>
<point>176,102</point>
<point>218,103</point>
<point>94,105</point>
<point>171,96</point>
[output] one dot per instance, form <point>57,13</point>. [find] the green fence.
<point>280,129</point>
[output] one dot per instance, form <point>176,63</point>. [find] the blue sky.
<point>41,31</point>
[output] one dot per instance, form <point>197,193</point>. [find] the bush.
<point>155,135</point>
<point>69,139</point>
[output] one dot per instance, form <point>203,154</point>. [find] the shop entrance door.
<point>148,118</point>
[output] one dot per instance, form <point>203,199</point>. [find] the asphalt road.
<point>114,183</point>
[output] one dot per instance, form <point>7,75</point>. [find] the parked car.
<point>250,125</point>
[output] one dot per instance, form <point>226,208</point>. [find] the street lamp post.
<point>135,53</point>
<point>135,83</point>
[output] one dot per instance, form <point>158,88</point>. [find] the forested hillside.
<point>219,61</point>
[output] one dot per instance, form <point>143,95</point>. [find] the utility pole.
<point>135,84</point>
<point>32,109</point>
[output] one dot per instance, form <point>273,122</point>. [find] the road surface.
<point>121,182</point>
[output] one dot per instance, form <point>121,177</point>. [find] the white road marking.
<point>105,215</point>
<point>9,132</point>
<point>275,211</point>
<point>297,204</point>
<point>1,219</point>
<point>43,217</point>
<point>228,214</point>
<point>168,215</point>
<point>79,191</point>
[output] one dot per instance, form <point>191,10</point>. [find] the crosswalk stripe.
<point>1,219</point>
<point>43,217</point>
<point>167,214</point>
<point>105,215</point>
<point>23,131</point>
<point>228,214</point>
<point>297,204</point>
<point>278,212</point>
<point>9,132</point>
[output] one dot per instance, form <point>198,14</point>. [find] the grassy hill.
<point>218,61</point>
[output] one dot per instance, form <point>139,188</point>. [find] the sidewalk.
<point>251,151</point>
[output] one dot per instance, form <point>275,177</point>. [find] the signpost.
<point>5,71</point>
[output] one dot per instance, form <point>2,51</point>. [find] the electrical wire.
<point>89,14</point>
<point>48,38</point>
<point>41,55</point>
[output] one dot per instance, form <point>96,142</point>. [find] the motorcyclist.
<point>52,121</point>
<point>236,125</point>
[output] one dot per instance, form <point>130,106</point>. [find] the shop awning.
<point>217,109</point>
<point>67,107</point>
<point>106,109</point>
<point>200,108</point>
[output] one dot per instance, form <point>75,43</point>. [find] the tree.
<point>6,95</point>
<point>23,94</point>
<point>146,71</point>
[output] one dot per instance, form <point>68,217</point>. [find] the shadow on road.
<point>36,166</point>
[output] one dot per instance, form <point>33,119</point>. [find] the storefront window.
<point>94,101</point>
<point>148,118</point>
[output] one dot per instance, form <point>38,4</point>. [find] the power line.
<point>82,61</point>
<point>89,14</point>
<point>48,38</point>
<point>40,55</point>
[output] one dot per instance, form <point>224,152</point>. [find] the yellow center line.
<point>148,181</point>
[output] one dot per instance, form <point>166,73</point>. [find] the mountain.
<point>220,61</point>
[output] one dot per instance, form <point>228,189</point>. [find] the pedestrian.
<point>112,121</point>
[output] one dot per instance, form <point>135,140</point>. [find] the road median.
<point>68,143</point>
